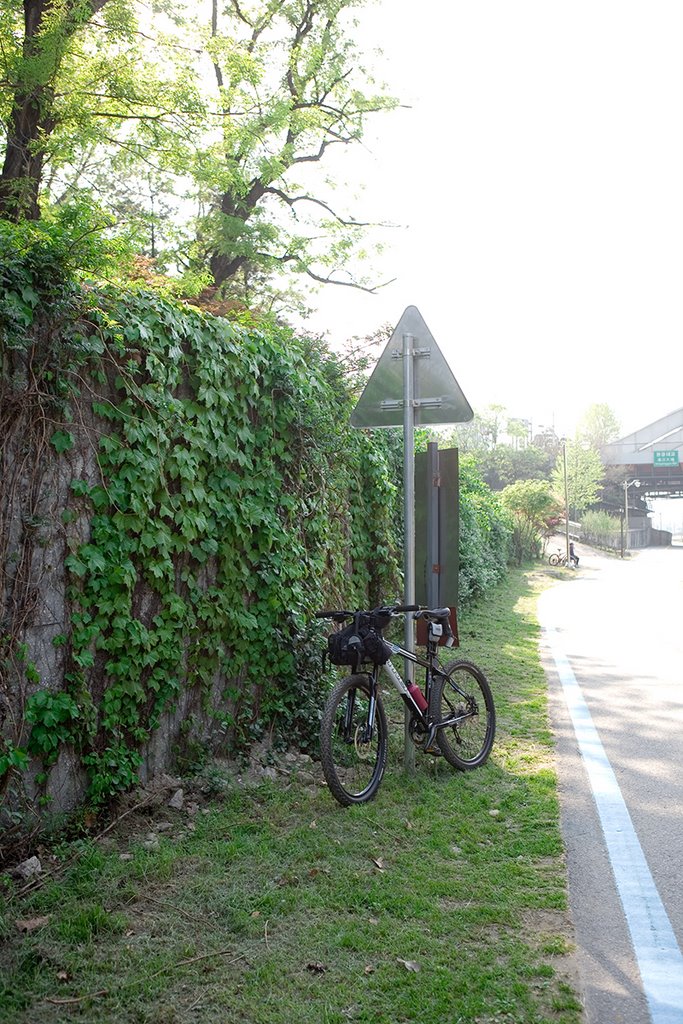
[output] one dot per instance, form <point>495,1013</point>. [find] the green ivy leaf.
<point>62,441</point>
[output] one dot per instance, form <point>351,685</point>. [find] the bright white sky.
<point>538,180</point>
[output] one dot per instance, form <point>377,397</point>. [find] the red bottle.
<point>417,695</point>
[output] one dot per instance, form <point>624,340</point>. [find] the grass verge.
<point>444,899</point>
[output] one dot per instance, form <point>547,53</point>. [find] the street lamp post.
<point>566,498</point>
<point>627,484</point>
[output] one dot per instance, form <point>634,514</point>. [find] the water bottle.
<point>417,695</point>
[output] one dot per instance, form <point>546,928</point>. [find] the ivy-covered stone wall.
<point>178,494</point>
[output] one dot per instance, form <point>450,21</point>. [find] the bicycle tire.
<point>554,559</point>
<point>464,688</point>
<point>353,770</point>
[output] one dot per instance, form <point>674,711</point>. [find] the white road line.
<point>657,952</point>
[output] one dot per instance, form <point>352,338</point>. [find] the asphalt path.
<point>613,652</point>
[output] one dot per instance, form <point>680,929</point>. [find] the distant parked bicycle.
<point>454,715</point>
<point>559,558</point>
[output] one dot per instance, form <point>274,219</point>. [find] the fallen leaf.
<point>494,813</point>
<point>369,969</point>
<point>373,920</point>
<point>62,975</point>
<point>31,923</point>
<point>255,913</point>
<point>379,863</point>
<point>316,968</point>
<point>314,824</point>
<point>410,965</point>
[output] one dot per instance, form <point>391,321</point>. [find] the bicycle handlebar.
<point>397,609</point>
<point>441,615</point>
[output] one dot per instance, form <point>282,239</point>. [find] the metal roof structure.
<point>652,454</point>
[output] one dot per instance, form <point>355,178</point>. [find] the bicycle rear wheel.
<point>554,559</point>
<point>353,762</point>
<point>464,691</point>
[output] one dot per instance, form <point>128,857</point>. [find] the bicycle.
<point>454,716</point>
<point>558,558</point>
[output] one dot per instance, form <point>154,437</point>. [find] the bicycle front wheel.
<point>353,757</point>
<point>464,691</point>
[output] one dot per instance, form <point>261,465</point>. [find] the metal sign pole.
<point>433,532</point>
<point>408,523</point>
<point>440,401</point>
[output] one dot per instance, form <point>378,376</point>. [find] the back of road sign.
<point>437,397</point>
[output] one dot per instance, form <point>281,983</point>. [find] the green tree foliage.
<point>291,86</point>
<point>480,434</point>
<point>500,444</point>
<point>584,476</point>
<point>535,511</point>
<point>599,426</point>
<point>532,499</point>
<point>35,36</point>
<point>77,77</point>
<point>113,100</point>
<point>504,464</point>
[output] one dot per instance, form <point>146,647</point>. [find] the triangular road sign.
<point>437,397</point>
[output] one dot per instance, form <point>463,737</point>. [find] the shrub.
<point>485,533</point>
<point>601,528</point>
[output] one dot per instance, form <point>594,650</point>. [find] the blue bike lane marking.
<point>657,952</point>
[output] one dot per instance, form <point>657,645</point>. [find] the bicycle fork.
<point>365,736</point>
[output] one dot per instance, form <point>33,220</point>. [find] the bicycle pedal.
<point>433,750</point>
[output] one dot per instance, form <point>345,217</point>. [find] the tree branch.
<point>291,258</point>
<point>214,32</point>
<point>315,157</point>
<point>291,200</point>
<point>238,11</point>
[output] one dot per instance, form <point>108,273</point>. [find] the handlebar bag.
<point>353,646</point>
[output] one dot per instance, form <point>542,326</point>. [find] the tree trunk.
<point>23,166</point>
<point>22,169</point>
<point>223,265</point>
<point>32,118</point>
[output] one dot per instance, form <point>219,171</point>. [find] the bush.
<point>601,528</point>
<point>485,533</point>
<point>533,508</point>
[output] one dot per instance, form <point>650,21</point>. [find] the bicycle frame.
<point>399,683</point>
<point>431,669</point>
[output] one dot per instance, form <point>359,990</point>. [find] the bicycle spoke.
<point>464,693</point>
<point>353,754</point>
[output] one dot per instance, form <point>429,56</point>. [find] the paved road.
<point>614,657</point>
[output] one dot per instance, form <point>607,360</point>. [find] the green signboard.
<point>666,458</point>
